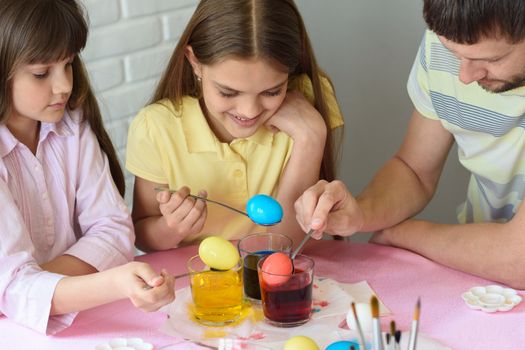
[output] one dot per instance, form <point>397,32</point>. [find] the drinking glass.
<point>288,303</point>
<point>217,294</point>
<point>251,249</point>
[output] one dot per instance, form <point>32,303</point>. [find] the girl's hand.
<point>184,214</point>
<point>146,289</point>
<point>299,119</point>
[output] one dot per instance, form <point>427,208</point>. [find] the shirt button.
<point>237,173</point>
<point>49,222</point>
<point>44,196</point>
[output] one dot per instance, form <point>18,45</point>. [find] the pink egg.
<point>277,268</point>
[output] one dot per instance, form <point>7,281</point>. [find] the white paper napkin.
<point>331,302</point>
<point>362,292</point>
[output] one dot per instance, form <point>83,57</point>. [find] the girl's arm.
<point>162,220</point>
<point>68,265</point>
<point>75,293</point>
<point>127,281</point>
<point>107,240</point>
<point>29,295</point>
<point>303,123</point>
<point>106,230</point>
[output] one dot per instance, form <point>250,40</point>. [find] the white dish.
<point>491,298</point>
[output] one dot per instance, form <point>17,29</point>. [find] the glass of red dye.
<point>288,303</point>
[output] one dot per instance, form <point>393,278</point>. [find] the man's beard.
<point>516,82</point>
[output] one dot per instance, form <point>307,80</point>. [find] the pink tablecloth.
<point>398,277</point>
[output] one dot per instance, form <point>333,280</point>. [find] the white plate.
<point>491,298</point>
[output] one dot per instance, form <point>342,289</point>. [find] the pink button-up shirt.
<point>60,201</point>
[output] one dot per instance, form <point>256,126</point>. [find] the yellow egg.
<point>218,253</point>
<point>300,342</point>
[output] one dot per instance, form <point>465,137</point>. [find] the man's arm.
<point>303,123</point>
<point>401,189</point>
<point>490,250</point>
<point>405,185</point>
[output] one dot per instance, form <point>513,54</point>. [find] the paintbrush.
<point>377,337</point>
<point>412,340</point>
<point>392,335</point>
<point>362,343</point>
<point>398,340</point>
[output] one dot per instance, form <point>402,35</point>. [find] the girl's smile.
<point>244,122</point>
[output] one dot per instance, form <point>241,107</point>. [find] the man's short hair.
<point>468,21</point>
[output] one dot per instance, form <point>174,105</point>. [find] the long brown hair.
<point>268,29</point>
<point>45,31</point>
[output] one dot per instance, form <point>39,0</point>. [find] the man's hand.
<point>330,208</point>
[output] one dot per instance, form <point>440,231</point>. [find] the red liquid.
<point>290,302</point>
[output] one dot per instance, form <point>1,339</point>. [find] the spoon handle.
<point>148,287</point>
<point>306,238</point>
<point>160,189</point>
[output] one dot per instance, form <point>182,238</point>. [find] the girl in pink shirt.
<point>62,217</point>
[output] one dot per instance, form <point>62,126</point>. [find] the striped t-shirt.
<point>488,129</point>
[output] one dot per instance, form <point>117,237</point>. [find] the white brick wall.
<point>128,47</point>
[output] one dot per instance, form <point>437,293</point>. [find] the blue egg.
<point>343,345</point>
<point>264,210</point>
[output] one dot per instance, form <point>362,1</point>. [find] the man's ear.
<point>195,64</point>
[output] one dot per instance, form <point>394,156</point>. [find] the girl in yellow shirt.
<point>241,109</point>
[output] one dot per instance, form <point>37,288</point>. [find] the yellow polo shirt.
<point>178,148</point>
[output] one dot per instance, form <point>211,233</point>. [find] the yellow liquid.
<point>217,296</point>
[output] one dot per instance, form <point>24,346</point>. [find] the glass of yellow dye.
<point>217,294</point>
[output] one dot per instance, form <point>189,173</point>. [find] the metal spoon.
<point>148,287</point>
<point>306,238</point>
<point>262,209</point>
<point>160,189</point>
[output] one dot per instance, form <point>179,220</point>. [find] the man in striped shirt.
<point>467,85</point>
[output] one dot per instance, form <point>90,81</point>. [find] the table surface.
<point>398,277</point>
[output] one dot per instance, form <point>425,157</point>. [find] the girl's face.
<point>41,91</point>
<point>241,95</point>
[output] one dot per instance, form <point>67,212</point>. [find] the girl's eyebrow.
<point>38,65</point>
<point>224,87</point>
<point>49,64</point>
